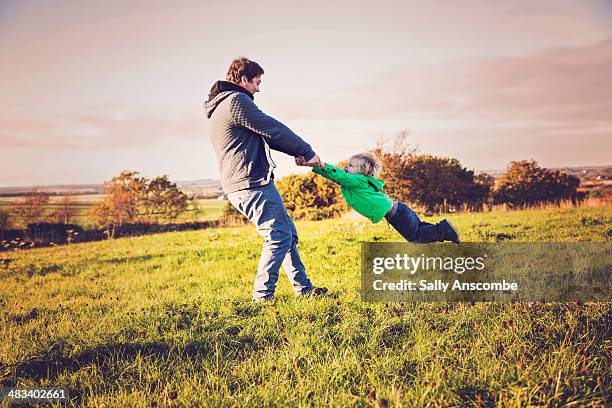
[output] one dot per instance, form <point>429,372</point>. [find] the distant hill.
<point>212,187</point>
<point>54,189</point>
<point>203,188</point>
<point>191,186</point>
<point>584,173</point>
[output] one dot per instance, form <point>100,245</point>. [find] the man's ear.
<point>244,78</point>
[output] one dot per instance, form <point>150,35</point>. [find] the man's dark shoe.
<point>316,292</point>
<point>264,300</point>
<point>450,233</point>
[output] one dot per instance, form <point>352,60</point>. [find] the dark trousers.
<point>408,224</point>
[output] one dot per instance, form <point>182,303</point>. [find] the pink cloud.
<point>570,84</point>
<point>563,84</point>
<point>107,129</point>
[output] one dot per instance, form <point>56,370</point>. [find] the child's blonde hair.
<point>368,163</point>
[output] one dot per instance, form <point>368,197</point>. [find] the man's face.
<point>251,86</point>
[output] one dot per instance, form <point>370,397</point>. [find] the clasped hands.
<point>314,162</point>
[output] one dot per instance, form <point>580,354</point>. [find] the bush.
<point>231,216</point>
<point>311,197</point>
<point>44,232</point>
<point>434,183</point>
<point>525,184</point>
<point>316,214</point>
<point>599,191</point>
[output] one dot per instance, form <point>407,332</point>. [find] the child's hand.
<point>314,162</point>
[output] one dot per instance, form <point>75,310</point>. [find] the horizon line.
<point>32,186</point>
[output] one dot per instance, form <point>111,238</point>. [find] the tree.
<point>395,154</point>
<point>5,222</point>
<point>31,207</point>
<point>435,183</point>
<point>133,199</point>
<point>480,192</point>
<point>66,211</point>
<point>197,211</point>
<point>441,183</point>
<point>525,184</point>
<point>163,200</point>
<point>120,206</point>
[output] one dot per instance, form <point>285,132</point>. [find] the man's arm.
<point>278,136</point>
<point>339,176</point>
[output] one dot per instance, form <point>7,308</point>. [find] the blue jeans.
<point>408,224</point>
<point>264,207</point>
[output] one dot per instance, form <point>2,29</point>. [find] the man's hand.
<point>314,162</point>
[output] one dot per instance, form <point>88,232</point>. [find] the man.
<point>242,137</point>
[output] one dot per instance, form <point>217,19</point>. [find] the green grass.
<point>128,322</point>
<point>80,212</point>
<point>212,208</point>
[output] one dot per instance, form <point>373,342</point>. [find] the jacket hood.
<point>376,183</point>
<point>218,92</point>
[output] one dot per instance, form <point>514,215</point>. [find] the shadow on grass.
<point>475,396</point>
<point>102,356</point>
<point>140,258</point>
<point>229,344</point>
<point>71,269</point>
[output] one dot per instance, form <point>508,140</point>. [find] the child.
<point>362,190</point>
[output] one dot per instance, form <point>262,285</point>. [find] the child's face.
<point>352,167</point>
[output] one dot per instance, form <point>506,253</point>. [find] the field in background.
<point>212,208</point>
<point>167,319</point>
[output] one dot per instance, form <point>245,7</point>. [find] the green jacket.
<point>363,193</point>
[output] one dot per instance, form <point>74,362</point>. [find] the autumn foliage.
<point>133,199</point>
<point>311,197</point>
<point>433,184</point>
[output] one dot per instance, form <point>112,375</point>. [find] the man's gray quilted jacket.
<point>240,134</point>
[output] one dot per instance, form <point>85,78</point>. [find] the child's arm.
<point>339,176</point>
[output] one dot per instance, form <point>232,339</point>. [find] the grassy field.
<point>166,320</point>
<point>210,209</point>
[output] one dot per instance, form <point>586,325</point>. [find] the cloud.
<point>569,85</point>
<point>556,94</point>
<point>554,105</point>
<point>118,127</point>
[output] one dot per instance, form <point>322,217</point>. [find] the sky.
<point>90,88</point>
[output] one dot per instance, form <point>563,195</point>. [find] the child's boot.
<point>449,233</point>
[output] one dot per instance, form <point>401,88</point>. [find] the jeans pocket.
<point>239,200</point>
